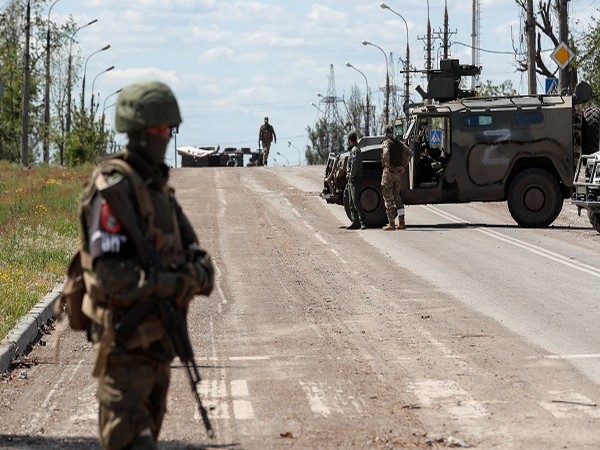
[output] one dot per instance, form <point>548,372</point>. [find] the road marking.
<point>316,399</point>
<point>556,257</point>
<point>34,424</point>
<point>574,356</point>
<point>446,394</point>
<point>219,288</point>
<point>445,350</point>
<point>242,410</point>
<point>308,225</point>
<point>219,398</point>
<point>336,253</point>
<point>239,388</point>
<point>570,404</point>
<point>249,358</point>
<point>324,400</point>
<point>321,238</point>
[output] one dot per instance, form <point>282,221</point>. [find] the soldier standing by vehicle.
<point>123,284</point>
<point>395,158</point>
<point>354,176</point>
<point>266,135</point>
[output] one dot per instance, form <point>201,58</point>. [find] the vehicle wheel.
<point>371,200</point>
<point>534,198</point>
<point>590,130</point>
<point>594,220</point>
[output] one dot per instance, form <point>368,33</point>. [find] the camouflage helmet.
<point>389,129</point>
<point>352,136</point>
<point>146,104</point>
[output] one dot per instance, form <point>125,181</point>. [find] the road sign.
<point>551,85</point>
<point>435,138</point>
<point>562,55</point>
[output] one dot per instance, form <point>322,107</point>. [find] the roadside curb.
<point>27,329</point>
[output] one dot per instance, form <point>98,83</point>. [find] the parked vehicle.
<point>587,188</point>
<point>519,149</point>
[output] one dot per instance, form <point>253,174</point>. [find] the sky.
<point>231,63</point>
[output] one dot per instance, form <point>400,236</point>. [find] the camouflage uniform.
<point>266,134</point>
<point>133,369</point>
<point>354,176</point>
<point>395,158</point>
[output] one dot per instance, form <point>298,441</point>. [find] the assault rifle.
<point>173,318</point>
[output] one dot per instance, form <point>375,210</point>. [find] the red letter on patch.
<point>108,221</point>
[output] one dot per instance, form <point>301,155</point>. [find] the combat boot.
<point>353,226</point>
<point>401,223</point>
<point>389,227</point>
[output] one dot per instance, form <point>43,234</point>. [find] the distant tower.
<point>333,119</point>
<point>475,39</point>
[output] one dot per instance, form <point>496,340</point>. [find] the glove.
<point>178,286</point>
<point>203,272</point>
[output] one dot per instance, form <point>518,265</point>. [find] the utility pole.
<point>475,38</point>
<point>26,83</point>
<point>563,22</point>
<point>530,30</point>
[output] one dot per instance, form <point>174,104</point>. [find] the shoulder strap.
<point>139,187</point>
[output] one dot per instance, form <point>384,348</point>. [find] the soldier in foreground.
<point>266,135</point>
<point>354,177</point>
<point>142,262</point>
<point>395,158</point>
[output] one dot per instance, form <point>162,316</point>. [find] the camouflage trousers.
<point>390,189</point>
<point>357,214</point>
<point>133,401</point>
<point>266,148</point>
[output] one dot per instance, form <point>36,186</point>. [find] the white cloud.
<point>232,62</point>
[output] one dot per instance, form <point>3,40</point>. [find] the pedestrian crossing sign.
<point>435,138</point>
<point>551,85</point>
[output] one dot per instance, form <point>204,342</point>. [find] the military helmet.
<point>389,129</point>
<point>146,104</point>
<point>352,136</point>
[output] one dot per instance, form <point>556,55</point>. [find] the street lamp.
<point>102,145</point>
<point>69,72</point>
<point>407,62</point>
<point>387,82</point>
<point>299,152</point>
<point>368,111</point>
<point>70,82</point>
<point>46,152</point>
<point>106,47</point>
<point>283,156</point>
<point>94,81</point>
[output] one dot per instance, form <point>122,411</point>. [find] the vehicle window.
<point>529,117</point>
<point>477,120</point>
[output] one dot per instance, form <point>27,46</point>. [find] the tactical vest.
<point>161,232</point>
<point>266,133</point>
<point>395,150</point>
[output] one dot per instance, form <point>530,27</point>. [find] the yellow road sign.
<point>562,55</point>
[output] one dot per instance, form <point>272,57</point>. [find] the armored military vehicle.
<point>587,188</point>
<point>519,149</point>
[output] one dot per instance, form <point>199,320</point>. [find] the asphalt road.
<point>461,330</point>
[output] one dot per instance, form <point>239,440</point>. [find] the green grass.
<point>39,232</point>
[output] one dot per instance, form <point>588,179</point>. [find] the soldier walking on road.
<point>266,135</point>
<point>395,158</point>
<point>123,285</point>
<point>354,176</point>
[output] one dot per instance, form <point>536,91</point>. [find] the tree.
<point>547,13</point>
<point>589,57</point>
<point>490,90</point>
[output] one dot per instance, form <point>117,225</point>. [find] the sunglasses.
<point>164,131</point>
